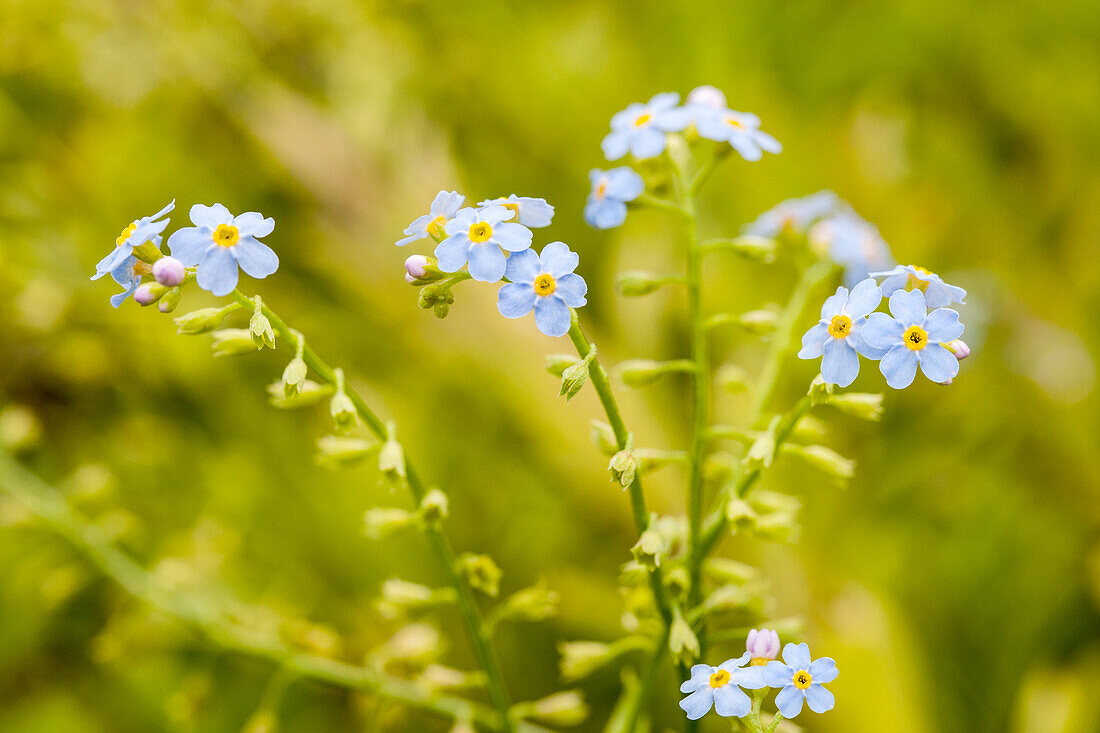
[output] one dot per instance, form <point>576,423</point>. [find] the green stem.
<point>649,677</point>
<point>775,722</point>
<point>661,204</point>
<point>49,505</point>
<point>438,540</point>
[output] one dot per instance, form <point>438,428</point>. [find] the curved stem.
<point>467,602</point>
<point>49,505</point>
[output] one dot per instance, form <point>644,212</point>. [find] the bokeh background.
<point>956,579</point>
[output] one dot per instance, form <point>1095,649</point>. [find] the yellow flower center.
<point>125,234</point>
<point>758,662</point>
<point>481,231</point>
<point>802,680</point>
<point>601,189</point>
<point>915,283</point>
<point>719,679</point>
<point>544,284</point>
<point>226,235</point>
<point>435,226</point>
<point>734,122</point>
<point>915,337</point>
<point>515,210</point>
<point>642,119</point>
<point>840,327</point>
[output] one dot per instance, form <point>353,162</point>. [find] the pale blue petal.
<point>943,325</point>
<point>171,205</point>
<point>698,703</point>
<point>624,184</point>
<point>819,699</point>
<point>767,142</point>
<point>858,343</point>
<point>512,237</point>
<point>662,100</point>
<point>709,125</point>
<point>210,216</point>
<point>253,223</point>
<point>745,146</point>
<point>462,222</point>
<point>218,271</point>
<point>446,203</point>
<point>731,702</point>
<point>893,283</point>
<point>118,298</point>
<point>452,252</point>
<point>672,120</point>
<point>840,366</point>
<point>864,298</point>
<point>189,244</point>
<point>777,674</point>
<point>732,664</point>
<point>255,257</point>
<point>535,212</point>
<point>939,294</point>
<point>124,273</point>
<point>899,366</point>
<point>647,142</point>
<point>880,331</point>
<point>797,656</point>
<point>516,300</point>
<point>604,213</point>
<point>813,341</point>
<point>552,316</point>
<point>616,144</point>
<point>834,304</point>
<point>896,271</point>
<point>823,670</point>
<point>626,116</point>
<point>572,288</point>
<point>557,259</point>
<point>493,215</point>
<point>908,307</point>
<point>487,262</point>
<point>751,678</point>
<point>112,261</point>
<point>523,267</point>
<point>789,701</point>
<point>700,675</point>
<point>937,363</point>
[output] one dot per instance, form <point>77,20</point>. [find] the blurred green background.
<point>956,580</point>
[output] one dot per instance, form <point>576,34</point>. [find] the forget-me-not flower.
<point>937,293</point>
<point>529,211</point>
<point>739,129</point>
<point>128,275</point>
<point>838,335</point>
<point>444,206</point>
<point>794,214</point>
<point>853,243</point>
<point>220,242</point>
<point>801,679</point>
<point>611,190</point>
<point>640,128</point>
<point>720,687</point>
<point>478,236</point>
<point>140,231</point>
<point>914,337</point>
<point>545,283</point>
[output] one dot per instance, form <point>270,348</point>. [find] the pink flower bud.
<point>169,271</point>
<point>947,382</point>
<point>708,96</point>
<point>145,295</point>
<point>415,268</point>
<point>959,348</point>
<point>763,645</point>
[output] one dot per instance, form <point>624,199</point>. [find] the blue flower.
<point>853,243</point>
<point>937,293</point>
<point>914,337</point>
<point>794,214</point>
<point>145,229</point>
<point>477,236</point>
<point>801,679</point>
<point>838,335</point>
<point>720,687</point>
<point>640,128</point>
<point>606,205</point>
<point>128,275</point>
<point>739,129</point>
<point>530,212</point>
<point>545,283</point>
<point>445,205</point>
<point>220,242</point>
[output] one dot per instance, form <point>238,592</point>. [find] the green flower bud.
<point>762,451</point>
<point>824,459</point>
<point>650,549</point>
<point>724,570</point>
<point>294,376</point>
<point>741,515</point>
<point>562,709</point>
<point>233,341</point>
<point>573,379</point>
<point>415,644</point>
<point>582,658</point>
<point>203,320</point>
<point>858,404</point>
<point>636,283</point>
<point>391,460</point>
<point>338,451</point>
<point>810,428</point>
<point>761,249</point>
<point>640,372</point>
<point>623,467</point>
<point>777,527</point>
<point>603,437</point>
<point>309,393</point>
<point>820,391</point>
<point>260,329</point>
<point>760,322</point>
<point>536,603</point>
<point>481,573</point>
<point>682,641</point>
<point>727,598</point>
<point>440,310</point>
<point>438,677</point>
<point>436,294</point>
<point>170,300</point>
<point>399,597</point>
<point>678,582</point>
<point>434,507</point>
<point>343,412</point>
<point>651,459</point>
<point>556,364</point>
<point>382,522</point>
<point>147,252</point>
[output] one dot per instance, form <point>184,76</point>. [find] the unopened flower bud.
<point>416,643</point>
<point>338,451</point>
<point>170,301</point>
<point>169,271</point>
<point>481,573</point>
<point>623,467</point>
<point>650,549</point>
<point>149,293</point>
<point>759,322</point>
<point>947,382</point>
<point>824,459</point>
<point>391,460</point>
<point>309,393</point>
<point>294,376</point>
<point>582,658</point>
<point>562,709</point>
<point>636,283</point>
<point>381,522</point>
<point>233,341</point>
<point>959,348</point>
<point>763,645</point>
<point>536,603</point>
<point>415,268</point>
<point>640,372</point>
<point>262,332</point>
<point>434,508</point>
<point>740,514</point>
<point>573,378</point>
<point>858,404</point>
<point>678,582</point>
<point>708,96</point>
<point>682,641</point>
<point>203,319</point>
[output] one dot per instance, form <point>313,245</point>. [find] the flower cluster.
<point>212,252</point>
<point>919,331</point>
<point>799,679</point>
<point>492,241</point>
